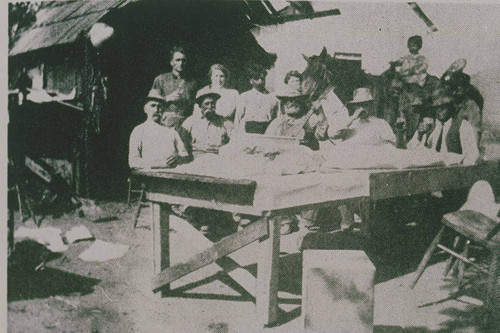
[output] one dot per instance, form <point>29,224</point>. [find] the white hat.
<point>361,95</point>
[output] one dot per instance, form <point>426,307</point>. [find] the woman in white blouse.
<point>226,105</point>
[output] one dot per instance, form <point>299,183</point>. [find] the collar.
<point>176,76</point>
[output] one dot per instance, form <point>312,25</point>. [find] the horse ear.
<point>323,53</point>
<point>306,58</point>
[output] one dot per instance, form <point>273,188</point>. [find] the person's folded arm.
<point>469,143</point>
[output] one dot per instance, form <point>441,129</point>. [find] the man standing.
<point>208,131</point>
<point>175,88</point>
<point>153,145</point>
<point>256,107</point>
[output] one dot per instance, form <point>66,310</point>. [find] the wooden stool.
<point>131,190</point>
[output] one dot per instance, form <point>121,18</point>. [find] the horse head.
<point>317,78</point>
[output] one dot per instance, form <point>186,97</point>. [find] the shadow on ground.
<point>25,281</point>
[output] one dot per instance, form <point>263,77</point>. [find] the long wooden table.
<point>258,197</point>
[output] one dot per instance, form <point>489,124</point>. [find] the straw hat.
<point>202,94</point>
<point>154,95</point>
<point>361,95</point>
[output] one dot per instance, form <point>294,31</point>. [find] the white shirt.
<point>468,140</point>
<point>207,134</point>
<point>152,145</point>
<point>370,131</point>
<point>255,106</point>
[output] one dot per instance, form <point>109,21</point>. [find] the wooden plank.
<point>267,275</point>
<point>161,241</point>
<point>220,249</point>
<point>234,194</point>
<point>229,263</point>
<point>192,177</point>
<point>209,204</point>
<point>391,184</point>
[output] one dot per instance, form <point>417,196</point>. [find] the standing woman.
<point>226,105</point>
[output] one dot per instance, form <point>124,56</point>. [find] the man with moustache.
<point>153,145</point>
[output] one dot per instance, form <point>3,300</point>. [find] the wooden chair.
<point>141,203</point>
<point>475,222</point>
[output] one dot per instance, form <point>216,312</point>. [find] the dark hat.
<point>202,94</point>
<point>154,95</point>
<point>457,79</point>
<point>441,97</point>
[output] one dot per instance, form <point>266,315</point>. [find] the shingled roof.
<point>60,22</point>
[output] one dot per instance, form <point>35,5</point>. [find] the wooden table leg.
<point>161,242</point>
<point>267,274</point>
<point>366,216</point>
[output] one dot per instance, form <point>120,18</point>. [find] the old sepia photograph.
<point>252,166</point>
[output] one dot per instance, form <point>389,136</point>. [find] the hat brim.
<point>155,99</point>
<point>199,99</point>
<point>360,102</point>
<point>292,97</point>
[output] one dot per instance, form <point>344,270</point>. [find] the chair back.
<point>481,199</point>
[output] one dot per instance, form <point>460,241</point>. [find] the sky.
<point>379,32</point>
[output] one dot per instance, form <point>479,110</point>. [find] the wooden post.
<point>161,242</point>
<point>268,273</point>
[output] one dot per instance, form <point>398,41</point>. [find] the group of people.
<point>419,96</point>
<point>183,123</point>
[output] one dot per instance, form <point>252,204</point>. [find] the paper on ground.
<point>78,233</point>
<point>49,236</point>
<point>103,251</point>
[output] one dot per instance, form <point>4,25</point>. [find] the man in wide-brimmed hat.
<point>153,145</point>
<point>452,133</point>
<point>295,119</point>
<point>466,97</point>
<point>361,127</point>
<point>208,131</point>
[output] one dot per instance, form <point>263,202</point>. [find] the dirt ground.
<point>72,295</point>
